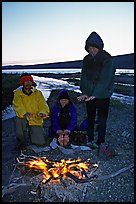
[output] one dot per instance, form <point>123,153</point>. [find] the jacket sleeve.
<point>54,118</point>
<point>17,105</point>
<point>105,82</point>
<point>83,80</point>
<point>43,106</point>
<point>73,118</point>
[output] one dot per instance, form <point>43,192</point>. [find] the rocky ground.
<point>118,187</point>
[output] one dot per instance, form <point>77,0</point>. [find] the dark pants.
<point>97,108</point>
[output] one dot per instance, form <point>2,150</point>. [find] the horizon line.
<point>50,62</point>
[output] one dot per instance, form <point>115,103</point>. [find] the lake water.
<point>60,71</point>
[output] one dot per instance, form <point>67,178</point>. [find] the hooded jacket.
<point>94,40</point>
<point>97,75</point>
<point>56,111</point>
<point>33,103</point>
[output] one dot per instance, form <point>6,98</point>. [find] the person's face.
<point>27,85</point>
<point>93,50</point>
<point>64,102</point>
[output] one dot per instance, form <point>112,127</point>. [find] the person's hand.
<point>82,97</point>
<point>89,98</point>
<point>42,115</point>
<point>27,114</point>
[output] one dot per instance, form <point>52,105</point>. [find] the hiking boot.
<point>104,150</point>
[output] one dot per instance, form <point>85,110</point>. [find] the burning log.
<point>77,180</point>
<point>58,170</point>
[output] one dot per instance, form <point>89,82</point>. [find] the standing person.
<point>30,108</point>
<point>63,118</point>
<point>97,85</point>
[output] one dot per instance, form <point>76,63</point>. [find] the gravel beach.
<point>115,181</point>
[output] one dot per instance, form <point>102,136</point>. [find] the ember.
<point>56,171</point>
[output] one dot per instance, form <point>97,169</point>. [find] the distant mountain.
<point>120,61</point>
<point>124,61</point>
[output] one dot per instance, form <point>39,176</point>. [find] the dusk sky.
<point>42,32</point>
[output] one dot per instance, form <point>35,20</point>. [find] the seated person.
<point>63,119</point>
<point>30,108</point>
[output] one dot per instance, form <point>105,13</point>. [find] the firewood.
<point>75,178</point>
<point>116,173</point>
<point>84,191</point>
<point>12,187</point>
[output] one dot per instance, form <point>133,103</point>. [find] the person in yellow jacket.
<point>31,109</point>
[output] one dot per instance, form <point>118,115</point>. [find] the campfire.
<point>70,180</point>
<point>64,180</point>
<point>56,171</point>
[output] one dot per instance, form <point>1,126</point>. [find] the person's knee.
<point>37,135</point>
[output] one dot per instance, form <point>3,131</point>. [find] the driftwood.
<point>84,191</point>
<point>116,173</point>
<point>12,187</point>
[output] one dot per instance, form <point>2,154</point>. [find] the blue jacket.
<point>55,112</point>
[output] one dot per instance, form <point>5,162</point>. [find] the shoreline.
<point>10,82</point>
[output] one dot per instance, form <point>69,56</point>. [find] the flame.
<point>58,169</point>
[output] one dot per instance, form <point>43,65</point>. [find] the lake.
<point>60,71</point>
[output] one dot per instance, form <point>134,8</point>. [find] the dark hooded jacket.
<point>68,113</point>
<point>97,76</point>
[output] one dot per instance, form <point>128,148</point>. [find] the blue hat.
<point>63,94</point>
